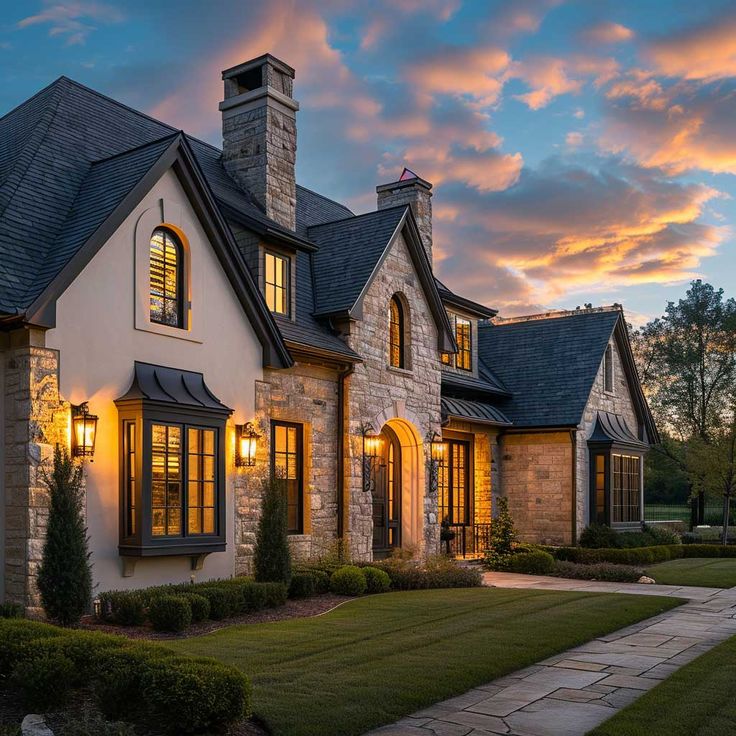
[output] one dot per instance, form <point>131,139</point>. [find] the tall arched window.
<point>166,284</point>
<point>396,334</point>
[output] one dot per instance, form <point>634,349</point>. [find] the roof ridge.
<point>139,147</point>
<point>554,315</point>
<point>401,207</point>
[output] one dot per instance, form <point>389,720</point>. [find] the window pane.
<point>287,465</point>
<point>201,494</point>
<point>276,282</point>
<point>166,479</point>
<point>165,279</point>
<point>396,334</point>
<point>464,358</point>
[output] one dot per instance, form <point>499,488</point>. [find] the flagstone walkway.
<point>572,692</point>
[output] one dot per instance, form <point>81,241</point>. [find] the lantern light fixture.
<point>372,444</point>
<point>438,448</point>
<point>247,445</point>
<point>84,431</point>
<point>437,453</point>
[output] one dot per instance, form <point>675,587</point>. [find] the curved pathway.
<point>572,692</point>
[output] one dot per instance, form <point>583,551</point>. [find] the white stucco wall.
<point>98,341</point>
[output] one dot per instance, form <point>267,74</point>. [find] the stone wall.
<point>379,393</point>
<point>418,196</point>
<point>35,421</point>
<point>617,402</point>
<point>537,479</point>
<point>305,394</point>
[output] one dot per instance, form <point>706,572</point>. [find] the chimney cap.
<point>407,179</point>
<point>259,61</point>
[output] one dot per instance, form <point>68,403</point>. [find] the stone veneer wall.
<point>35,421</point>
<point>536,473</point>
<point>619,402</point>
<point>376,390</point>
<point>307,395</point>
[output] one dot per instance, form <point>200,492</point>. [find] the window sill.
<point>176,548</point>
<point>399,371</point>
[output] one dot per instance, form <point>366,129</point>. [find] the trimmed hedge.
<point>216,600</point>
<point>436,572</point>
<point>170,613</point>
<point>348,580</point>
<point>597,571</point>
<point>188,695</point>
<point>377,580</point>
<point>630,556</point>
<point>535,562</point>
<point>303,585</point>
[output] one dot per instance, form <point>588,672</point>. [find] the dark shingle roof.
<point>316,209</point>
<point>485,383</point>
<point>349,251</point>
<point>549,364</point>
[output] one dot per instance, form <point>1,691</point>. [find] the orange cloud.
<point>707,51</point>
<point>607,32</point>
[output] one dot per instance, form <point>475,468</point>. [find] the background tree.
<point>65,576</point>
<point>272,557</point>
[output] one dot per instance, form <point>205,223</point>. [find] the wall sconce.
<point>372,443</point>
<point>437,453</point>
<point>84,431</point>
<point>246,445</point>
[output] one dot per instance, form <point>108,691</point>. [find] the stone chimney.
<point>412,190</point>
<point>259,134</point>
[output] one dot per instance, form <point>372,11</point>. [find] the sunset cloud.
<point>72,20</point>
<point>607,32</point>
<point>706,51</point>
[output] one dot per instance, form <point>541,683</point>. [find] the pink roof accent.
<point>407,174</point>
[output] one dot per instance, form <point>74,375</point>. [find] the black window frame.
<point>446,476</point>
<point>398,326</point>
<point>287,281</point>
<point>137,539</point>
<point>299,529</point>
<point>605,515</point>
<point>181,297</point>
<point>461,350</point>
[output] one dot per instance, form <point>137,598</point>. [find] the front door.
<point>387,495</point>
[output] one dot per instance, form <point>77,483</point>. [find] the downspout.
<point>574,443</point>
<point>342,433</point>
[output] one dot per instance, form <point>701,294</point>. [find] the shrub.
<point>502,538</point>
<point>633,556</point>
<point>16,636</point>
<point>11,610</point>
<point>436,572</point>
<point>707,550</point>
<point>348,580</point>
<point>376,580</point>
<point>123,607</point>
<point>597,571</point>
<point>43,681</point>
<point>303,585</point>
<point>64,576</point>
<point>320,575</point>
<point>200,607</point>
<point>596,536</point>
<point>272,558</point>
<point>170,613</point>
<point>664,535</point>
<point>225,601</point>
<point>536,562</point>
<point>91,723</point>
<point>195,695</point>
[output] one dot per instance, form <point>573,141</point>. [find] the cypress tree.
<point>65,576</point>
<point>272,558</point>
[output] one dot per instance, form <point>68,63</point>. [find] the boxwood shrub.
<point>377,580</point>
<point>534,562</point>
<point>348,580</point>
<point>200,607</point>
<point>123,607</point>
<point>183,695</point>
<point>303,585</point>
<point>631,556</point>
<point>170,613</point>
<point>597,571</point>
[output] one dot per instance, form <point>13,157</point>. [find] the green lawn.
<point>708,572</point>
<point>378,658</point>
<point>666,512</point>
<point>697,700</point>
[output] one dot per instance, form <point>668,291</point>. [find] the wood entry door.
<point>387,495</point>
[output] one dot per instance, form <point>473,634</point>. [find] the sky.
<point>580,151</point>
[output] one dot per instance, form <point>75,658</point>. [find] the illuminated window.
<point>446,358</point>
<point>396,333</point>
<point>277,283</point>
<point>201,493</point>
<point>166,477</point>
<point>166,284</point>
<point>287,465</point>
<point>454,483</point>
<point>600,489</point>
<point>626,489</point>
<point>608,370</point>
<point>463,336</point>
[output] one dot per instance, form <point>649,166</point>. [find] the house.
<point>190,322</point>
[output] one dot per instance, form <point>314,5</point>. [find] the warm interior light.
<point>439,449</point>
<point>84,431</point>
<point>247,445</point>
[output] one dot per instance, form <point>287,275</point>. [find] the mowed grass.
<point>666,512</point>
<point>697,700</point>
<point>707,572</point>
<point>378,658</point>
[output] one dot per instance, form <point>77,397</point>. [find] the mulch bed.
<point>293,609</point>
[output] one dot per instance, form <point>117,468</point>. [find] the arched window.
<point>396,334</point>
<point>166,285</point>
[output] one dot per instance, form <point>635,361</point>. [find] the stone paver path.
<point>572,692</point>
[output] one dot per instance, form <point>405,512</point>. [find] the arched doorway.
<point>387,495</point>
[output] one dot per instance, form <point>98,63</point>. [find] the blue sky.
<point>580,151</point>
